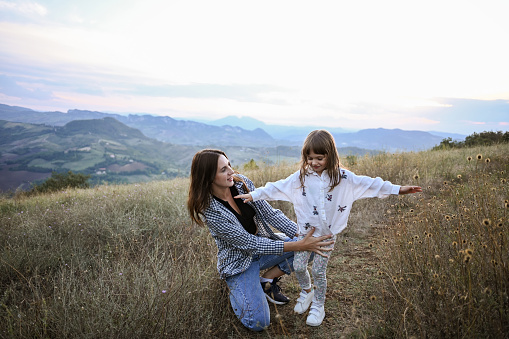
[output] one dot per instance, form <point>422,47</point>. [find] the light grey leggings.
<point>319,269</point>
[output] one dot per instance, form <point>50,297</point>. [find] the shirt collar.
<point>325,174</point>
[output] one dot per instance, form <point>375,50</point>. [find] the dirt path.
<point>351,277</point>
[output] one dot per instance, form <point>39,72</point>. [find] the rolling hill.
<point>166,129</point>
<point>106,148</point>
<point>111,152</point>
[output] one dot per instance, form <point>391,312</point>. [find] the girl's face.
<point>317,162</point>
<point>224,175</point>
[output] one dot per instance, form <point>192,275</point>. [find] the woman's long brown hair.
<point>321,142</point>
<point>203,172</point>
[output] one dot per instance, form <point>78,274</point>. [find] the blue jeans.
<point>246,294</point>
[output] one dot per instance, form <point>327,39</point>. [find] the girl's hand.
<point>409,189</point>
<point>246,197</point>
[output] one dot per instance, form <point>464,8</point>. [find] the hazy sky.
<point>416,65</point>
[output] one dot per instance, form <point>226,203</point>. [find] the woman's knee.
<point>256,321</point>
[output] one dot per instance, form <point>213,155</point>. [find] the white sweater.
<point>315,206</point>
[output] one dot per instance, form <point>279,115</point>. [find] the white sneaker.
<point>316,315</point>
<point>304,301</point>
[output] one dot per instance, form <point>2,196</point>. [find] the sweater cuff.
<point>255,195</point>
<point>280,245</point>
<point>395,189</point>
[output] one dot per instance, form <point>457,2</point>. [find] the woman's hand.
<point>246,197</point>
<point>409,189</point>
<point>310,243</point>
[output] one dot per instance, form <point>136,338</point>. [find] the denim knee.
<point>258,323</point>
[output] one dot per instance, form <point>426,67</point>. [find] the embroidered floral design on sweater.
<point>341,208</point>
<point>329,197</point>
<point>315,212</point>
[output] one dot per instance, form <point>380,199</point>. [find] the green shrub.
<point>251,165</point>
<point>60,181</point>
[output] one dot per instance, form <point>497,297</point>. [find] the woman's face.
<point>224,174</point>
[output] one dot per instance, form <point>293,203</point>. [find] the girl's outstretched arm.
<point>246,197</point>
<point>409,189</point>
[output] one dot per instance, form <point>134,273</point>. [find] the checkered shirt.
<point>235,246</point>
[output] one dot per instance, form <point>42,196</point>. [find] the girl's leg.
<point>248,299</point>
<point>300,265</point>
<point>319,270</point>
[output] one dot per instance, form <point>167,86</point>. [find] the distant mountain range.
<point>235,131</point>
<point>164,129</point>
<point>115,148</point>
<point>373,139</point>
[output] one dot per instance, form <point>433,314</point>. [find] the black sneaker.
<point>273,292</point>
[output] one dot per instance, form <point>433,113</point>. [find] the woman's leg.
<point>246,294</point>
<point>248,299</point>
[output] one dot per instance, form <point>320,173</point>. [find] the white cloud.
<point>24,7</point>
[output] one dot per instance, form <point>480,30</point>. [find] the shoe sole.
<point>275,301</point>
<point>313,324</point>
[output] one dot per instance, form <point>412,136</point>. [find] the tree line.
<point>476,139</point>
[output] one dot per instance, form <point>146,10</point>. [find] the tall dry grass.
<point>109,262</point>
<point>445,253</point>
<point>125,261</point>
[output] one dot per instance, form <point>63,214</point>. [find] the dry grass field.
<point>125,262</point>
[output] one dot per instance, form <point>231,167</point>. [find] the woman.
<point>246,243</point>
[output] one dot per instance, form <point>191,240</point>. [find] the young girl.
<point>322,193</point>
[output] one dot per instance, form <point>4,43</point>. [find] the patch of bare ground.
<point>135,166</point>
<point>12,180</point>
